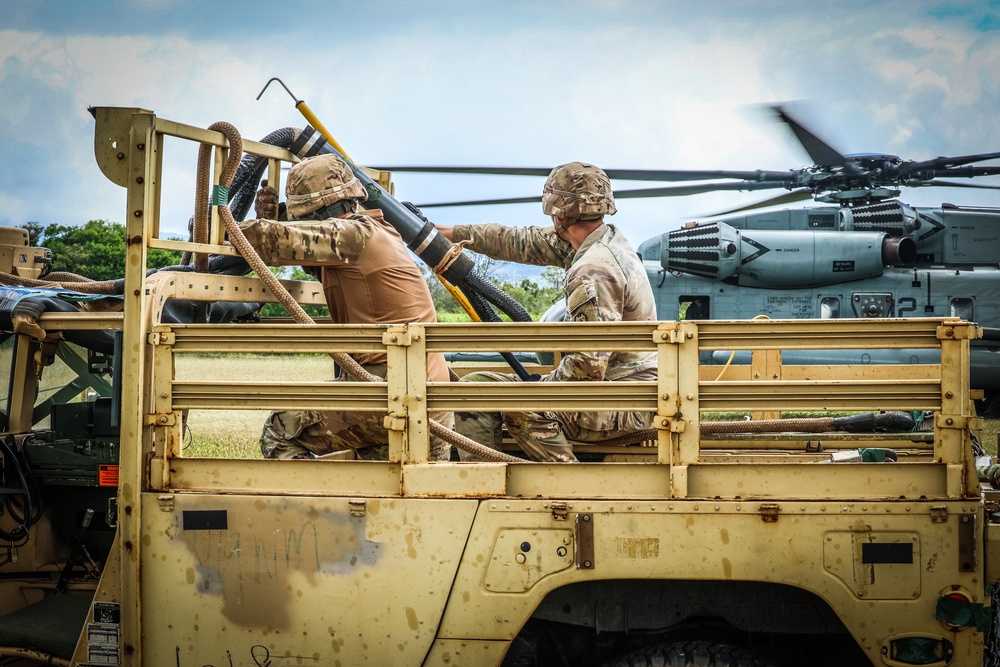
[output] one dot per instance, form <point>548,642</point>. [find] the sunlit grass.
<point>236,433</point>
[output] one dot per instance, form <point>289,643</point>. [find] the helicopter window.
<point>829,308</point>
<point>693,307</point>
<point>962,307</point>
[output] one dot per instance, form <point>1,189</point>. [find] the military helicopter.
<point>863,253</point>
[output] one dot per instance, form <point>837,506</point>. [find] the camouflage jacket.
<point>605,282</point>
<point>368,275</point>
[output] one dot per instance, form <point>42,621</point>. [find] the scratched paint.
<point>636,547</point>
<point>254,571</point>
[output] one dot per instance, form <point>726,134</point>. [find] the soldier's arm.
<point>332,242</point>
<point>526,245</point>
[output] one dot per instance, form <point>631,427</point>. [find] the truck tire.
<point>691,654</point>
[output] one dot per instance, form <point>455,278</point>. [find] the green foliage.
<point>95,250</point>
<point>535,298</point>
<point>453,317</point>
<point>275,309</point>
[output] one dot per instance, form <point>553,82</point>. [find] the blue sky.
<point>621,83</point>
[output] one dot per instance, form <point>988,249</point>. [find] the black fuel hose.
<point>487,314</point>
<point>244,188</point>
<point>32,501</point>
<point>507,304</point>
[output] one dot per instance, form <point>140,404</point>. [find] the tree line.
<point>96,250</point>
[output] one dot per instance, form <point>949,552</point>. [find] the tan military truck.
<point>700,546</point>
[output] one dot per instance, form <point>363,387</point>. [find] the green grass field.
<point>235,433</point>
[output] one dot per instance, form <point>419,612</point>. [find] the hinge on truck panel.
<point>584,542</point>
<point>769,512</point>
<point>939,514</point>
<point>358,507</point>
<point>560,512</point>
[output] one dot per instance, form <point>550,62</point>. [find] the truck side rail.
<point>684,392</point>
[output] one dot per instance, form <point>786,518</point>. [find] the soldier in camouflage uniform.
<point>605,282</point>
<point>368,277</point>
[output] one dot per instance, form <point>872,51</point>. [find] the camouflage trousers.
<point>546,436</point>
<point>306,434</point>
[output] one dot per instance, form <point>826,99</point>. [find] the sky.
<point>657,84</point>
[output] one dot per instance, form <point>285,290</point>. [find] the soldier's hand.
<point>265,204</point>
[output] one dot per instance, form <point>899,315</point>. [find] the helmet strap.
<point>336,209</point>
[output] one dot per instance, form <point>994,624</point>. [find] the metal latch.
<point>939,514</point>
<point>162,338</point>
<point>959,331</point>
<point>166,503</point>
<point>394,422</point>
<point>560,511</point>
<point>358,507</point>
<point>396,338</point>
<point>672,423</point>
<point>674,336</point>
<point>769,512</point>
<point>159,419</point>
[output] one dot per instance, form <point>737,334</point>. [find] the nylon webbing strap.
<point>220,195</point>
<point>308,143</point>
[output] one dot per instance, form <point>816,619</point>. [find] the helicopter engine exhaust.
<point>898,251</point>
<point>782,259</point>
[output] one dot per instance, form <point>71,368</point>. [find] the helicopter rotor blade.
<point>500,171</point>
<point>952,184</point>
<point>483,202</point>
<point>786,198</point>
<point>820,152</point>
<point>669,191</point>
<point>614,174</point>
<point>948,162</point>
<point>968,172</point>
<point>698,188</point>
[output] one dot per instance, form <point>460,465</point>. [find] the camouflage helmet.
<point>319,181</point>
<point>578,191</point>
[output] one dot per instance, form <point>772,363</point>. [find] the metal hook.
<point>274,78</point>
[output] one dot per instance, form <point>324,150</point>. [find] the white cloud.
<point>620,83</point>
